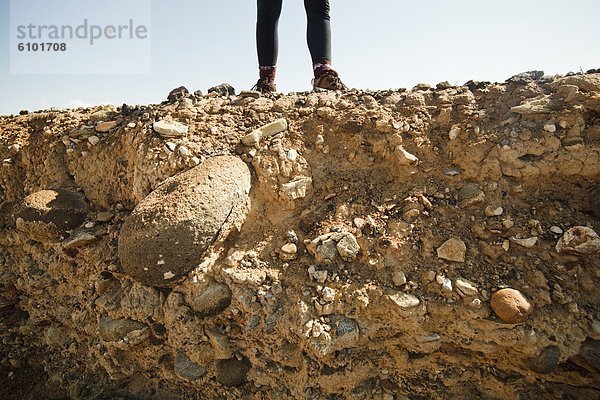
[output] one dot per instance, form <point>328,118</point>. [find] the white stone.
<point>444,282</point>
<point>491,211</point>
<point>556,229</point>
<point>170,146</point>
<point>550,128</point>
<point>527,243</point>
<point>169,275</point>
<point>93,140</point>
<point>170,128</point>
<point>289,248</point>
<point>328,294</point>
<point>405,300</point>
<point>430,338</point>
<point>454,132</point>
<point>404,157</point>
<point>466,287</point>
<point>319,276</point>
<point>265,131</point>
<point>183,151</point>
<point>292,155</point>
<point>296,189</point>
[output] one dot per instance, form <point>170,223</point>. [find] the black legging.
<point>318,31</point>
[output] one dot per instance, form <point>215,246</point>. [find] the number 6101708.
<point>43,46</point>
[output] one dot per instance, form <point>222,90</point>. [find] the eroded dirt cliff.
<point>378,232</point>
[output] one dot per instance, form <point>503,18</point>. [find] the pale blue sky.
<point>377,44</point>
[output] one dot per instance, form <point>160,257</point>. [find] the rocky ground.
<point>433,243</point>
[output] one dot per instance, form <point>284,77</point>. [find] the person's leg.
<point>267,46</point>
<point>318,36</point>
<point>318,32</point>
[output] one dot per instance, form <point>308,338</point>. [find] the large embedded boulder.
<point>167,233</point>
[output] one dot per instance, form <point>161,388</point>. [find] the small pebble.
<point>556,229</point>
<point>292,155</point>
<point>183,151</point>
<point>328,294</point>
<point>289,248</point>
<point>170,146</point>
<point>491,211</point>
<point>399,278</point>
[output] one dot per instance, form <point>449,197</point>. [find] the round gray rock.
<point>212,300</point>
<point>166,235</point>
<point>546,361</point>
<point>186,369</point>
<point>232,372</point>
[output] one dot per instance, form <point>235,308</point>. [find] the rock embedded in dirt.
<point>265,131</point>
<point>452,249</point>
<point>399,278</point>
<point>232,372</point>
<point>404,157</point>
<point>170,129</point>
<point>404,300</point>
<point>104,216</point>
<point>222,347</point>
<point>94,140</point>
<point>527,242</point>
<point>186,369</point>
<point>327,247</point>
<point>168,232</point>
<point>346,330</point>
<point>288,252</point>
<point>491,211</point>
<point>590,352</point>
<point>113,330</point>
<point>470,195</point>
<point>348,247</point>
<point>47,214</point>
<point>579,240</point>
<point>466,287</point>
<point>211,300</point>
<point>79,238</point>
<point>104,127</point>
<point>254,94</point>
<point>546,361</point>
<point>511,306</point>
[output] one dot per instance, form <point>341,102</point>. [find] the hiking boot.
<point>265,85</point>
<point>329,80</point>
